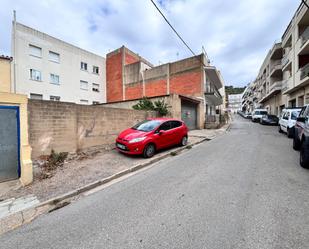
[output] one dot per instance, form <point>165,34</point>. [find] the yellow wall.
<point>26,176</point>
<point>5,75</point>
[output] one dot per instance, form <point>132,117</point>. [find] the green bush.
<point>147,105</point>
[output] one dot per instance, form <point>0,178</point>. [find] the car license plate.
<point>121,146</point>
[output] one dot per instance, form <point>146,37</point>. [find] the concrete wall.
<point>68,68</point>
<point>68,127</point>
<point>5,75</point>
<point>172,100</point>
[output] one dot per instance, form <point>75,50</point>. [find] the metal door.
<point>189,114</point>
<point>9,143</point>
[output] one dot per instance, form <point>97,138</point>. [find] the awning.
<point>214,76</point>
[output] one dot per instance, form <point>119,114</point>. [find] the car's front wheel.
<point>184,141</point>
<point>304,156</point>
<point>279,129</point>
<point>290,132</point>
<point>149,150</point>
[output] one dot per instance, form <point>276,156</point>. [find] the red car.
<point>148,136</point>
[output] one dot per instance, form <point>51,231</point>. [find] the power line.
<point>305,3</point>
<point>183,41</point>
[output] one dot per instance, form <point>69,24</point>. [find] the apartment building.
<point>283,79</point>
<point>47,68</point>
<point>129,77</point>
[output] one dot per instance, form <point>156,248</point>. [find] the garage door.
<point>9,143</point>
<point>189,114</point>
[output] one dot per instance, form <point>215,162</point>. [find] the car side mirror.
<point>161,132</point>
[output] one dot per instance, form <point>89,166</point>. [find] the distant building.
<point>234,102</point>
<point>50,69</point>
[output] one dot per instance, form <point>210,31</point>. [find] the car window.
<point>147,125</point>
<point>165,126</point>
<point>294,115</point>
<point>263,112</point>
<point>176,124</point>
<point>306,112</point>
<point>286,115</point>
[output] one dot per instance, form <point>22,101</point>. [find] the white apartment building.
<point>234,102</point>
<point>50,69</point>
<point>283,79</point>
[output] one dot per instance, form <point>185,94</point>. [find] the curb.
<point>20,218</point>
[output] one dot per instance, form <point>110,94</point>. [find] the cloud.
<point>236,34</point>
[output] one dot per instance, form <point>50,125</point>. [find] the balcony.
<point>303,42</point>
<point>276,69</point>
<point>304,72</point>
<point>286,60</point>
<point>212,95</point>
<point>214,76</point>
<point>273,90</point>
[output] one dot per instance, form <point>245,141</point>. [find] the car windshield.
<point>147,125</point>
<point>294,115</point>
<point>272,117</point>
<point>263,112</point>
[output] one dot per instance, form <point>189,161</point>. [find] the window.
<point>36,96</point>
<point>95,102</point>
<point>84,101</point>
<point>83,66</point>
<point>35,51</point>
<point>54,98</point>
<point>84,85</point>
<point>176,124</point>
<point>55,57</point>
<point>35,75</point>
<point>165,126</point>
<point>95,87</point>
<point>95,69</point>
<point>54,79</point>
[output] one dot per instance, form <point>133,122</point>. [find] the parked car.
<point>301,136</point>
<point>248,115</point>
<point>269,120</point>
<point>149,136</point>
<point>287,121</point>
<point>257,114</point>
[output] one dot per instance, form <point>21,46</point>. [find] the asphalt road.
<point>244,189</point>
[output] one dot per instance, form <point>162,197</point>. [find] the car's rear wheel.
<point>279,129</point>
<point>184,141</point>
<point>290,132</point>
<point>149,150</point>
<point>304,156</point>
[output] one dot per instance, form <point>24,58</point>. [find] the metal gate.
<point>189,114</point>
<point>9,143</point>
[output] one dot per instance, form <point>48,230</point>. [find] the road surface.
<point>244,189</point>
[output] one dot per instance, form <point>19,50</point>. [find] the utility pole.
<point>14,49</point>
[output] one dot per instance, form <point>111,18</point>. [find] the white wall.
<point>68,69</point>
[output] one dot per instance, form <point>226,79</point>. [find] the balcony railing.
<point>275,65</point>
<point>304,72</point>
<point>275,86</point>
<point>304,36</point>
<point>285,60</point>
<point>285,85</point>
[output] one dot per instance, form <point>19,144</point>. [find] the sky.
<point>237,34</point>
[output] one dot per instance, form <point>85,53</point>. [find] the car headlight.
<point>135,140</point>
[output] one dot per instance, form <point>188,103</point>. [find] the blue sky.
<point>236,34</point>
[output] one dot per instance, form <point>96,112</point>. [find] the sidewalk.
<point>75,174</point>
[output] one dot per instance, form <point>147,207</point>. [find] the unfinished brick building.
<point>131,77</point>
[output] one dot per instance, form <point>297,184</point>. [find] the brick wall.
<point>114,76</point>
<point>67,127</point>
<point>134,91</point>
<point>188,83</point>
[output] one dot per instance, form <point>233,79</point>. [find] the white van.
<point>257,114</point>
<point>287,120</point>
